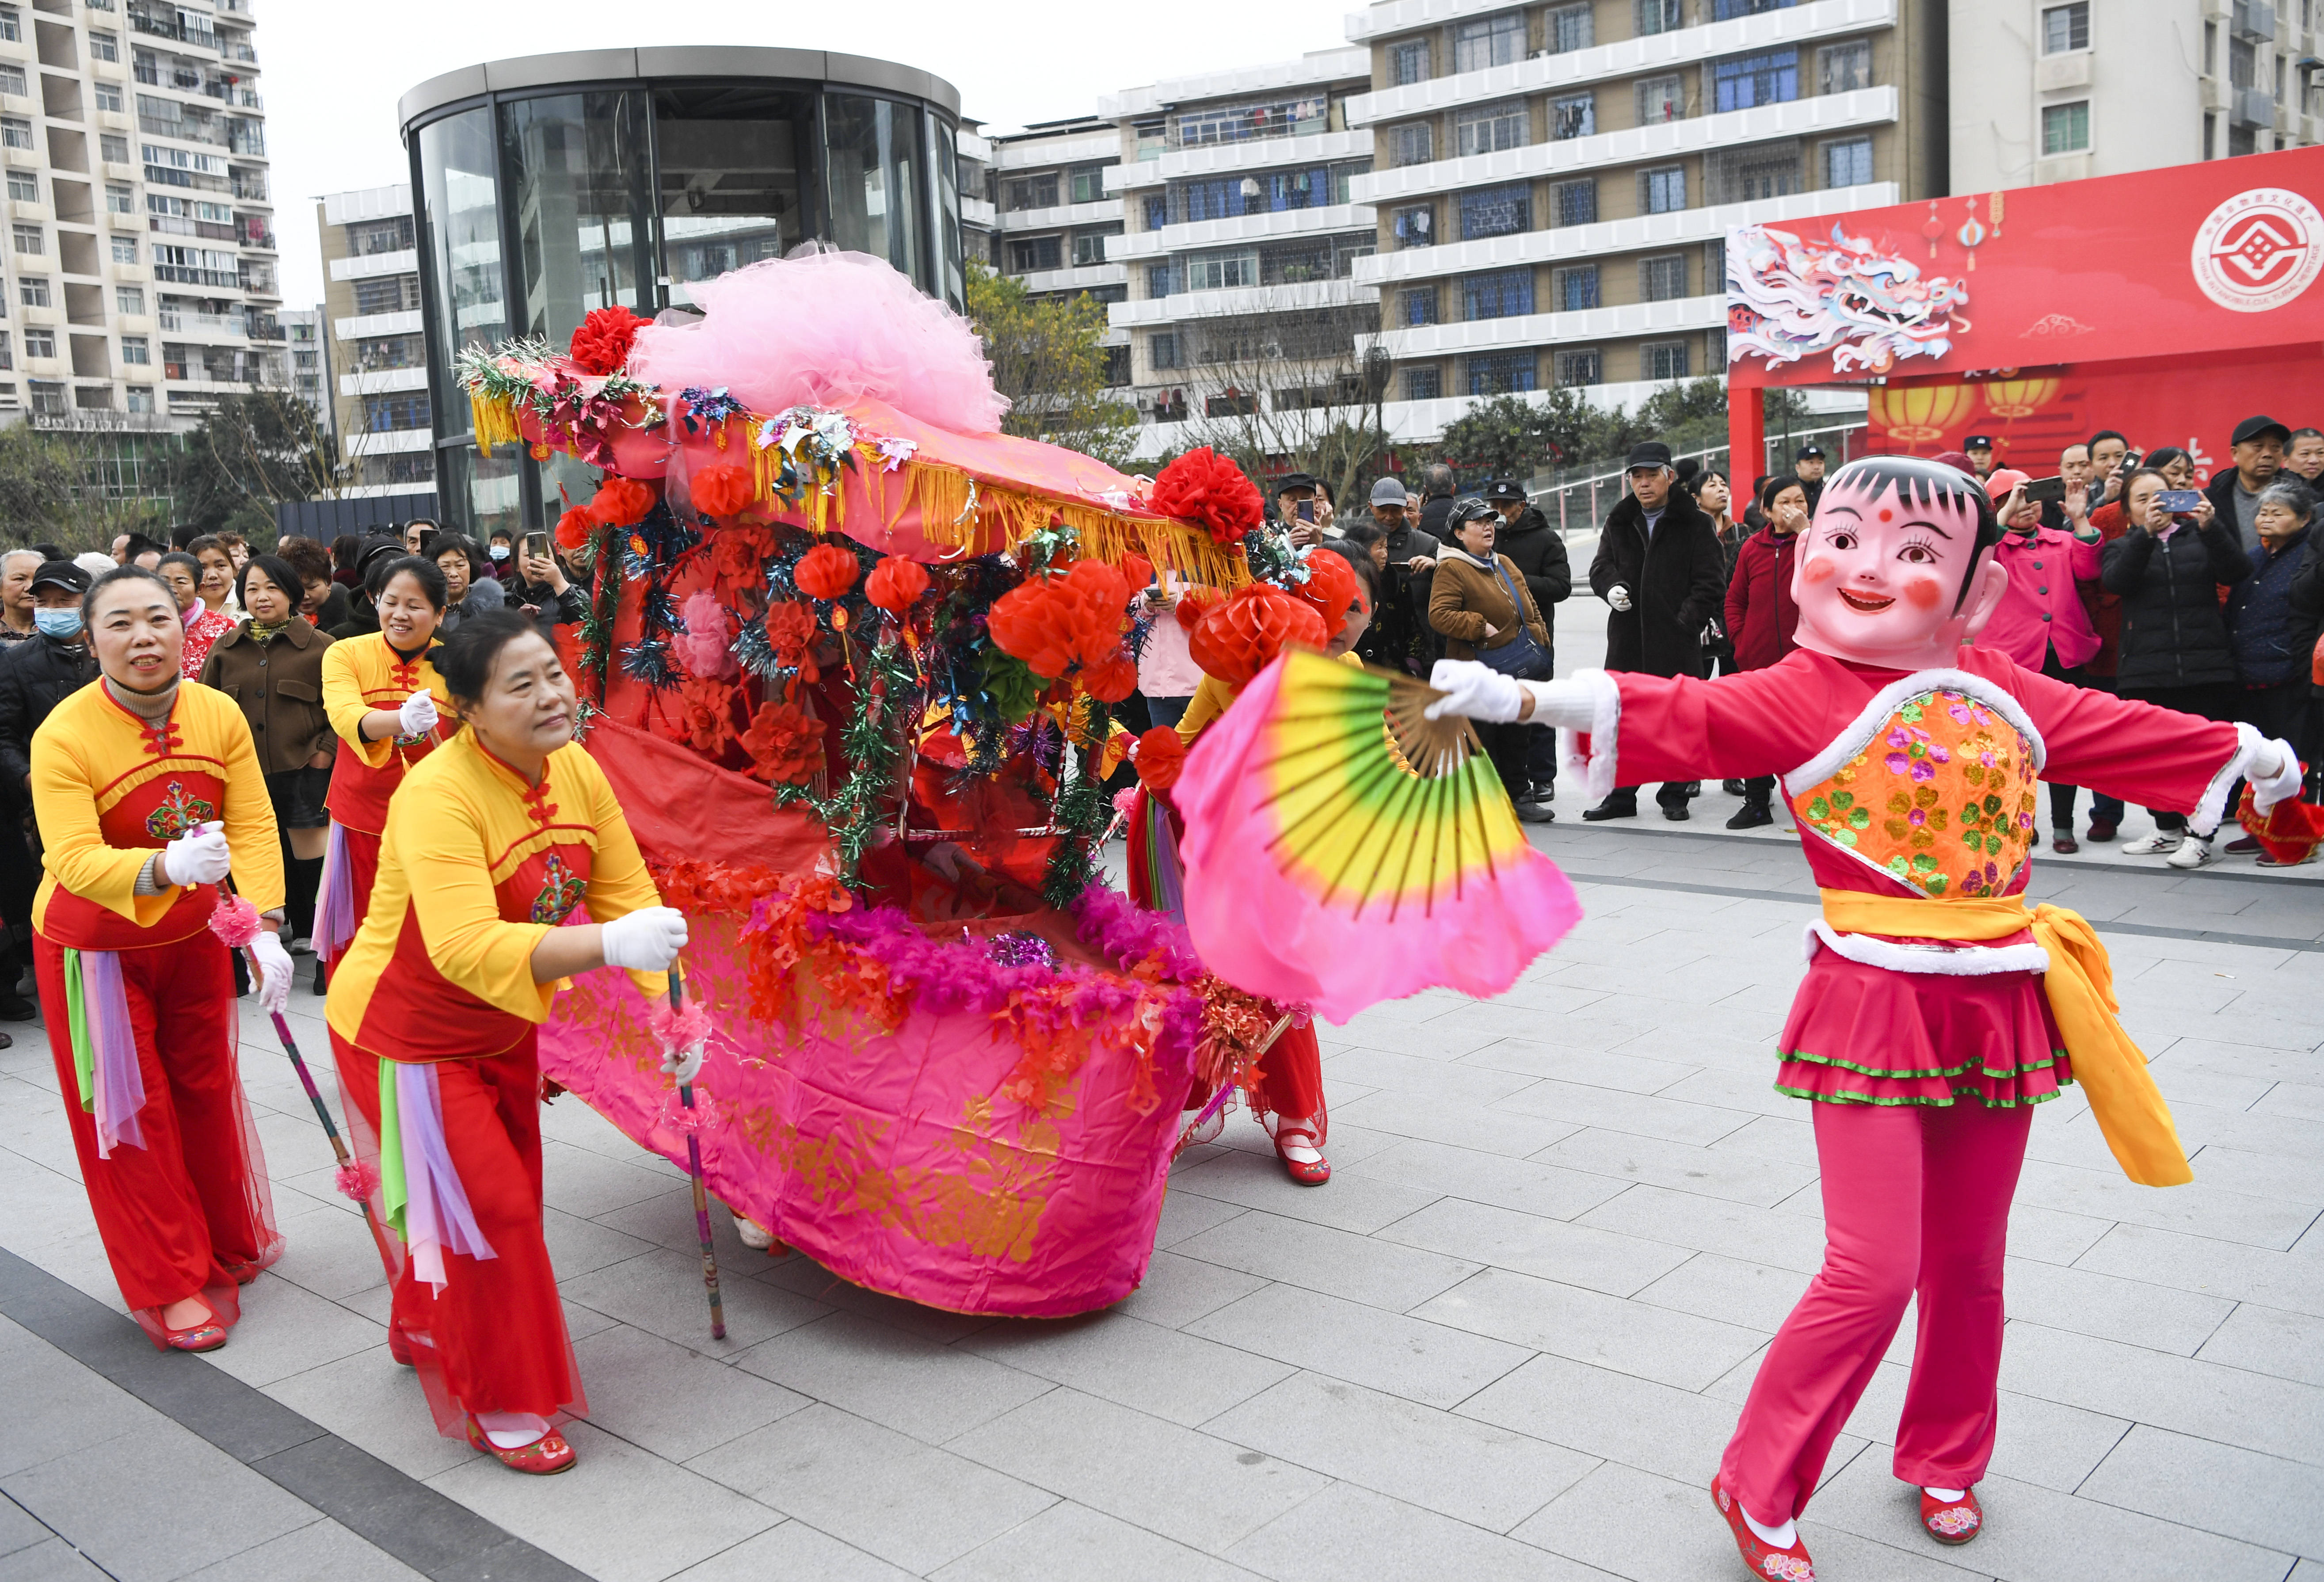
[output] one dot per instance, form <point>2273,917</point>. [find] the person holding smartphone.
<point>2041,621</point>
<point>1304,509</point>
<point>540,589</point>
<point>2167,569</point>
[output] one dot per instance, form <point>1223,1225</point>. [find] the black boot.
<point>304,876</point>
<point>1619,805</point>
<point>1751,814</point>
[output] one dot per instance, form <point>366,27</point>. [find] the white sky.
<point>332,69</point>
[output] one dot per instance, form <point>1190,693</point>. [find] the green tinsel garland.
<point>596,629</point>
<point>1080,811</point>
<point>870,746</point>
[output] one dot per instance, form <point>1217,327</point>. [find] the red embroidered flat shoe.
<point>1764,1560</point>
<point>399,1345</point>
<point>1952,1521</point>
<point>545,1455</point>
<point>207,1336</point>
<point>240,1272</point>
<point>1307,1174</point>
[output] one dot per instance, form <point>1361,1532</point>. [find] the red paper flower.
<point>602,344</point>
<point>791,634</point>
<point>896,583</point>
<point>723,490</point>
<point>739,553</point>
<point>1137,570</point>
<point>1194,604</point>
<point>620,501</point>
<point>1242,636</point>
<point>1057,623</point>
<point>1159,756</point>
<point>785,746</point>
<point>1112,678</point>
<point>706,711</point>
<point>825,571</point>
<point>1205,487</point>
<point>1331,588</point>
<point>574,527</point>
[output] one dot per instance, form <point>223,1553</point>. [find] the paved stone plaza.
<point>1508,1341</point>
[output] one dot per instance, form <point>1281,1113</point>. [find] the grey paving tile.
<point>2197,1209</point>
<point>2037,1535</point>
<point>1429,1362</point>
<point>1677,1433</point>
<point>194,1505</point>
<point>2089,1303</point>
<point>576,1245</point>
<point>1179,1378</point>
<point>621,1513</point>
<point>1188,1486</point>
<point>1352,1202</point>
<point>1377,1269</point>
<point>1614,1110</point>
<point>2264,1500</point>
<point>675,1402</point>
<point>908,1504</point>
<point>889,1377</point>
<point>18,1530</point>
<point>1597,1260</point>
<point>792,1551</point>
<point>1349,1534</point>
<point>1456,1123</point>
<point>1184,1214</point>
<point>660,1291</point>
<point>328,1250</point>
<point>2291,1179</point>
<point>54,1408</point>
<point>284,1330</point>
<point>1434,1168</point>
<point>803,1276</point>
<point>2049,1235</point>
<point>1414,1072</point>
<point>1757,1296</point>
<point>1709,1224</point>
<point>2302,1101</point>
<point>1597,1067</point>
<point>1590,1327</point>
<point>585,1183</point>
<point>1071,1540</point>
<point>376,1405</point>
<point>1457,1466</point>
<point>1180,1290</point>
<point>50,1560</point>
<point>1679,1166</point>
<point>2265,1340</point>
<point>2275,1417</point>
<point>320,1549</point>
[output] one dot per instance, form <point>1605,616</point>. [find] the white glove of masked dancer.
<point>274,963</point>
<point>197,857</point>
<point>1481,692</point>
<point>418,715</point>
<point>647,940</point>
<point>2269,787</point>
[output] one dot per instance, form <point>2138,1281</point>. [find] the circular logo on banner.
<point>2259,250</point>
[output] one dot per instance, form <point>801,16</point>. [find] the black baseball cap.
<point>1977,442</point>
<point>2259,428</point>
<point>1295,480</point>
<point>1809,450</point>
<point>1472,509</point>
<point>62,574</point>
<point>1504,491</point>
<point>1649,453</point>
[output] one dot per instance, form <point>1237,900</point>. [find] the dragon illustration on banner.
<point>1791,297</point>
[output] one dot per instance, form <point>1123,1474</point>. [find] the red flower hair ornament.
<point>602,344</point>
<point>1205,487</point>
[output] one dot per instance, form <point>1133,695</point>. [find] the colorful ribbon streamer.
<point>426,1204</point>
<point>335,911</point>
<point>104,1048</point>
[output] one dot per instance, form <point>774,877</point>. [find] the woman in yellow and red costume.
<point>492,843</point>
<point>1939,1007</point>
<point>148,791</point>
<point>386,702</point>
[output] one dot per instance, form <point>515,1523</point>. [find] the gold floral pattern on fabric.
<point>1941,797</point>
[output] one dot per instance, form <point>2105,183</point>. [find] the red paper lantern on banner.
<point>825,571</point>
<point>896,583</point>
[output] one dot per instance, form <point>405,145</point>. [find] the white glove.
<point>1474,689</point>
<point>647,940</point>
<point>418,715</point>
<point>274,963</point>
<point>200,857</point>
<point>2279,784</point>
<point>685,1065</point>
<point>1618,597</point>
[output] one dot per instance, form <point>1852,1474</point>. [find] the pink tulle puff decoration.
<point>820,329</point>
<point>234,920</point>
<point>705,1113</point>
<point>706,645</point>
<point>1125,801</point>
<point>679,1030</point>
<point>356,1180</point>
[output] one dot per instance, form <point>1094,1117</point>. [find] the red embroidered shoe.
<point>399,1345</point>
<point>1952,1521</point>
<point>241,1273</point>
<point>207,1336</point>
<point>1310,1173</point>
<point>546,1455</point>
<point>1764,1560</point>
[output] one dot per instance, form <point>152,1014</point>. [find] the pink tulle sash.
<point>437,1218</point>
<point>335,909</point>
<point>114,1085</point>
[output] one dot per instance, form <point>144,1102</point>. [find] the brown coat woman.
<point>1476,601</point>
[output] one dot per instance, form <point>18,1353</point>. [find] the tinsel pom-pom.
<point>356,1180</point>
<point>1205,487</point>
<point>1021,947</point>
<point>234,920</point>
<point>601,344</point>
<point>707,644</point>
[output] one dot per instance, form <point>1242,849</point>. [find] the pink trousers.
<point>1915,1205</point>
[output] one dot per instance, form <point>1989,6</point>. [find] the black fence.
<point>325,520</point>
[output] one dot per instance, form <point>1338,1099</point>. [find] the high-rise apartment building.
<point>1244,235</point>
<point>139,281</point>
<point>304,331</point>
<point>974,151</point>
<point>377,346</point>
<point>1555,182</point>
<point>2050,91</point>
<point>1054,216</point>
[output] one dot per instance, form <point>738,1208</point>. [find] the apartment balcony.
<point>1636,235</point>
<point>1043,152</point>
<point>1080,278</point>
<point>1059,216</point>
<point>381,381</point>
<point>1236,301</point>
<point>1810,117</point>
<point>971,145</point>
<point>176,321</point>
<point>1243,228</point>
<point>1654,52</point>
<point>363,326</point>
<point>1540,329</point>
<point>371,265</point>
<point>1315,71</point>
<point>1254,154</point>
<point>979,212</point>
<point>387,442</point>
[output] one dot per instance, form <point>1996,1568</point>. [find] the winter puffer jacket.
<point>2173,634</point>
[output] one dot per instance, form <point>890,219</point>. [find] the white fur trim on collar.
<point>1860,732</point>
<point>1595,768</point>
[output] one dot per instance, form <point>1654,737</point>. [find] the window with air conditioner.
<point>1844,68</point>
<point>2065,128</point>
<point>1661,99</point>
<point>1662,279</point>
<point>1490,40</point>
<point>2065,28</point>
<point>1491,129</point>
<point>1568,28</point>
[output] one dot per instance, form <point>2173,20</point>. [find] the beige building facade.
<point>374,341</point>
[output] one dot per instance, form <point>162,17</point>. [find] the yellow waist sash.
<point>2111,1069</point>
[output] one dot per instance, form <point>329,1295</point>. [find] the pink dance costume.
<point>1923,1052</point>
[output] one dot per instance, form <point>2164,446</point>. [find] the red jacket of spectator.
<point>1760,614</point>
<point>2105,609</point>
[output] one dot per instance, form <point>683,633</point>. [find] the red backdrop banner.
<point>2219,257</point>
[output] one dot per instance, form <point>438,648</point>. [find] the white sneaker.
<point>2193,852</point>
<point>750,1232</point>
<point>2161,843</point>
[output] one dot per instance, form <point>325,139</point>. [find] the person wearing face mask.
<point>500,552</point>
<point>2041,621</point>
<point>1939,1008</point>
<point>150,797</point>
<point>500,835</point>
<point>37,676</point>
<point>203,625</point>
<point>388,706</point>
